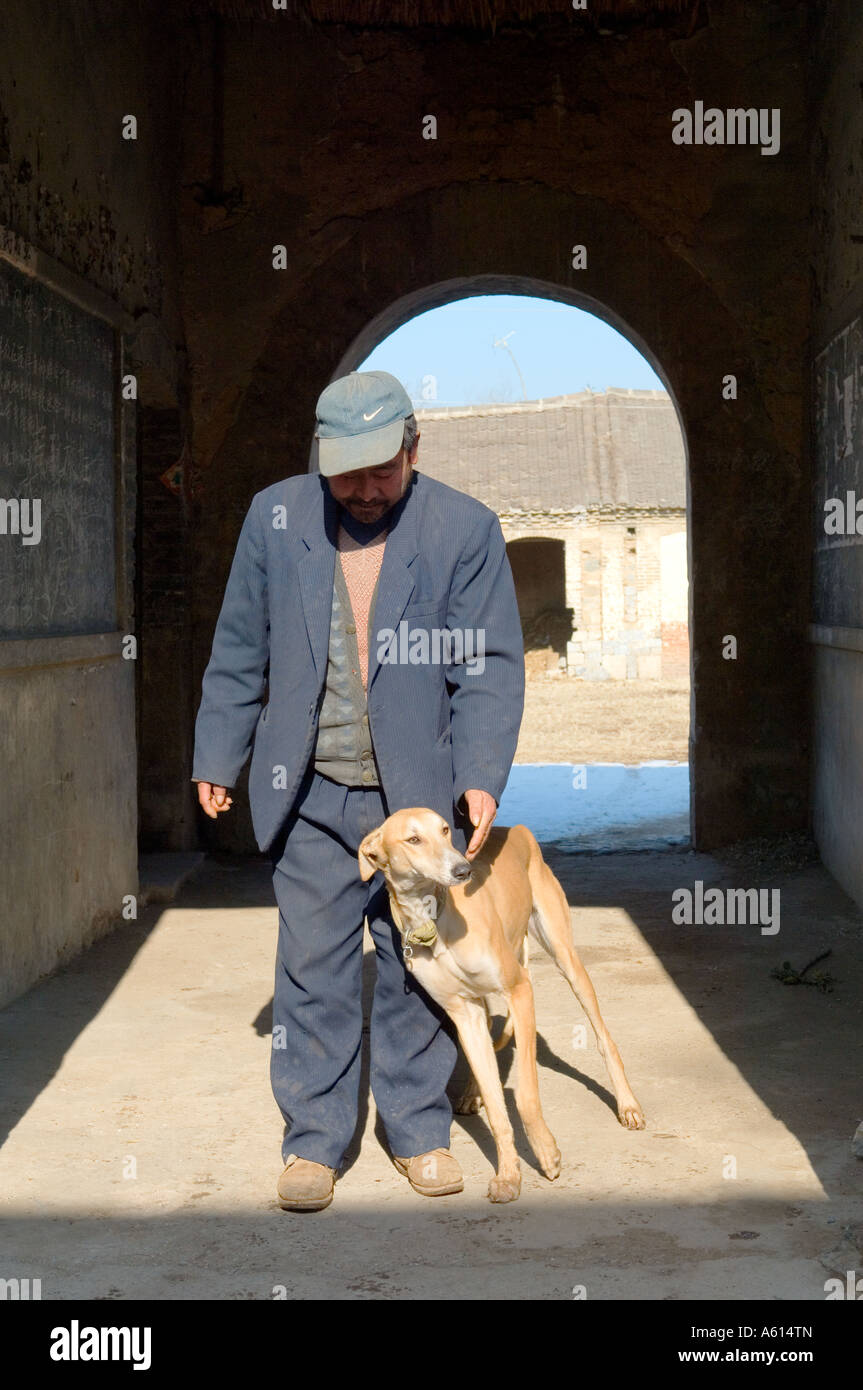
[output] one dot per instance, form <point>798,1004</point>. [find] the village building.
<point>590,490</point>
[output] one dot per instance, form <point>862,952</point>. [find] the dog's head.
<point>413,847</point>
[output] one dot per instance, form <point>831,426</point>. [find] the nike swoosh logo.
<point>373,414</point>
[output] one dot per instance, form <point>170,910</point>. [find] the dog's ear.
<point>371,855</point>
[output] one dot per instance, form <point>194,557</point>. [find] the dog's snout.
<point>462,872</point>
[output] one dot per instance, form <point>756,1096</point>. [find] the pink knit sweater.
<point>361,566</point>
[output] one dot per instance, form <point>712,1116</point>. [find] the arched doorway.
<point>596,573</point>
<point>539,571</point>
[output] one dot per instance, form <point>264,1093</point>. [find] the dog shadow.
<point>476,1125</point>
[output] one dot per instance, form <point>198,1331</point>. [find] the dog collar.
<point>423,934</point>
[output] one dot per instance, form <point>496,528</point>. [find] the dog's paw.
<point>544,1145</point>
<point>550,1164</point>
<point>504,1189</point>
<point>631,1115</point>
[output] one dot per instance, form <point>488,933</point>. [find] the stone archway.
<point>359,277</point>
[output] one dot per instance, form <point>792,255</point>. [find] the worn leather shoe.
<point>304,1185</point>
<point>432,1174</point>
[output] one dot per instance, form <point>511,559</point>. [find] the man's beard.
<point>367,511</point>
<point>373,511</point>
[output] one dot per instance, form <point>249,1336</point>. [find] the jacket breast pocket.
<point>428,608</point>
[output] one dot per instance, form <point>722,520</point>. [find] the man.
<point>376,608</point>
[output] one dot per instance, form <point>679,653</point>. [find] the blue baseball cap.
<point>361,419</point>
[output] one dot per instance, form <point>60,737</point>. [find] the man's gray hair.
<point>411,433</point>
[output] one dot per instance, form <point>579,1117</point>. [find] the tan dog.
<point>475,917</point>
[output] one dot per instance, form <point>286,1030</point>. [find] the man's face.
<point>369,492</point>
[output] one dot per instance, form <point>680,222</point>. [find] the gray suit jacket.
<point>439,726</point>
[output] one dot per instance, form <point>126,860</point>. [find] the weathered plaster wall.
<point>836,386</point>
<point>69,810</point>
<point>105,209</point>
<point>546,138</point>
<point>69,184</point>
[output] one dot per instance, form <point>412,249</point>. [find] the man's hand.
<point>481,811</point>
<point>213,799</point>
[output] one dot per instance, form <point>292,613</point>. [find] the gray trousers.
<point>317,1003</point>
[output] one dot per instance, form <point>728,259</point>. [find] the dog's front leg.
<point>470,1100</point>
<point>471,1020</point>
<point>540,1137</point>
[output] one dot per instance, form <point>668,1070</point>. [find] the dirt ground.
<point>577,721</point>
<point>140,1141</point>
<point>143,1140</point>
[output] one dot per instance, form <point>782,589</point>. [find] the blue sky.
<point>557,350</point>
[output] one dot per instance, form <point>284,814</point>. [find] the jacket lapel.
<point>319,533</point>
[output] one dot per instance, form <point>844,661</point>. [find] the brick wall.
<point>626,586</point>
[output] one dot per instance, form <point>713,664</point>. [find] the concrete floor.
<point>143,1141</point>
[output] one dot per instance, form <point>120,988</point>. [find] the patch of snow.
<point>600,807</point>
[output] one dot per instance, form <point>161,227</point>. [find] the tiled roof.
<point>615,448</point>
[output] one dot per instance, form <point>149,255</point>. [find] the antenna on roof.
<point>502,343</point>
